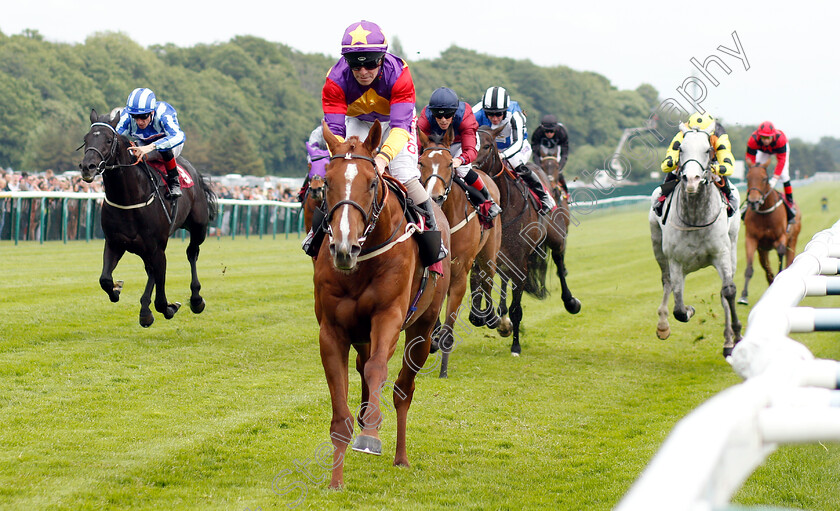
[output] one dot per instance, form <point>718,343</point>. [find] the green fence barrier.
<point>69,216</point>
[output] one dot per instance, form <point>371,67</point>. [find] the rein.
<point>370,217</point>
<point>447,184</point>
<point>764,200</point>
<point>103,167</point>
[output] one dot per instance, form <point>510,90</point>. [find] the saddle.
<point>183,176</point>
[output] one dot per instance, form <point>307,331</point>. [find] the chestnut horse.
<point>525,236</point>
<point>370,284</point>
<point>136,219</point>
<point>765,227</point>
<point>470,242</point>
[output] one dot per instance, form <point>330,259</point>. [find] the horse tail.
<point>535,279</point>
<point>212,203</point>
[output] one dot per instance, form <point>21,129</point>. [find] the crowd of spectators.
<point>49,181</point>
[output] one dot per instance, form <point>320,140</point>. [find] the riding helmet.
<point>700,121</point>
<point>363,41</point>
<point>548,121</point>
<point>766,129</point>
<point>496,99</point>
<point>443,101</point>
<point>140,101</point>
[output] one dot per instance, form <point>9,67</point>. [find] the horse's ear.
<point>496,132</point>
<point>115,117</point>
<point>93,116</point>
<point>683,127</point>
<point>374,137</point>
<point>424,139</point>
<point>449,136</point>
<point>332,141</point>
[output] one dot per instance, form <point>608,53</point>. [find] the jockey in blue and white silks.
<point>495,110</point>
<point>153,125</point>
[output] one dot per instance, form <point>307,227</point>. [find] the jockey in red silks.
<point>445,110</point>
<point>763,144</point>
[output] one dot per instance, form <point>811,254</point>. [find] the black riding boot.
<point>665,190</point>
<point>534,183</point>
<point>478,198</point>
<point>730,197</point>
<point>431,226</point>
<point>173,183</point>
<point>315,237</point>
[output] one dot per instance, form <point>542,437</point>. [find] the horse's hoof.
<point>505,327</point>
<point>684,316</point>
<point>368,444</point>
<point>743,301</point>
<point>171,309</point>
<point>147,320</point>
<point>401,463</point>
<point>118,285</point>
<point>515,354</point>
<point>197,306</point>
<point>727,352</point>
<point>573,306</point>
<point>492,322</point>
<point>477,320</point>
<point>434,346</point>
<point>663,333</point>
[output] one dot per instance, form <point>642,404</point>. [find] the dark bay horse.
<point>765,228</point>
<point>473,249</point>
<point>526,235</point>
<point>370,284</point>
<point>136,218</point>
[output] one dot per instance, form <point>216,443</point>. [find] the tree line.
<point>248,105</point>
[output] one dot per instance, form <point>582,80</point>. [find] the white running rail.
<point>787,397</point>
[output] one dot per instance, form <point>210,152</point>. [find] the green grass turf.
<point>203,411</point>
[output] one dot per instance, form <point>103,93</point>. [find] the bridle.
<point>369,217</point>
<point>112,151</point>
<point>764,199</point>
<point>447,184</point>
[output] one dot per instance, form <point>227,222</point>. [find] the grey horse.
<point>694,232</point>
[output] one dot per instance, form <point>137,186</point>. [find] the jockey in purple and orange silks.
<point>369,84</point>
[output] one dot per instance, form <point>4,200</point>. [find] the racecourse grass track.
<point>206,411</point>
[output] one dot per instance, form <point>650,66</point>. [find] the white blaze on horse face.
<point>344,226</point>
<point>694,159</point>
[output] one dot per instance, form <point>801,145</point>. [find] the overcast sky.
<point>790,47</point>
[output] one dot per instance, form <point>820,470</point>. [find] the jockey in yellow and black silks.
<point>722,164</point>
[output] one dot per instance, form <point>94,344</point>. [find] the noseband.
<point>370,217</point>
<point>447,184</point>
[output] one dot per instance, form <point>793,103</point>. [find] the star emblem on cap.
<point>359,35</point>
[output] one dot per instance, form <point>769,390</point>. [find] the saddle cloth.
<point>183,176</point>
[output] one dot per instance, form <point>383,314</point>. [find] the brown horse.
<point>370,284</point>
<point>525,236</point>
<point>470,243</point>
<point>765,223</point>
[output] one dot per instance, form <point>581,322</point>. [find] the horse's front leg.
<point>197,303</point>
<point>751,244</point>
<point>457,290</point>
<point>146,316</point>
<point>682,311</point>
<point>110,257</point>
<point>334,355</point>
<point>416,353</point>
<point>156,268</point>
<point>384,333</point>
<point>764,260</point>
<point>732,327</point>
